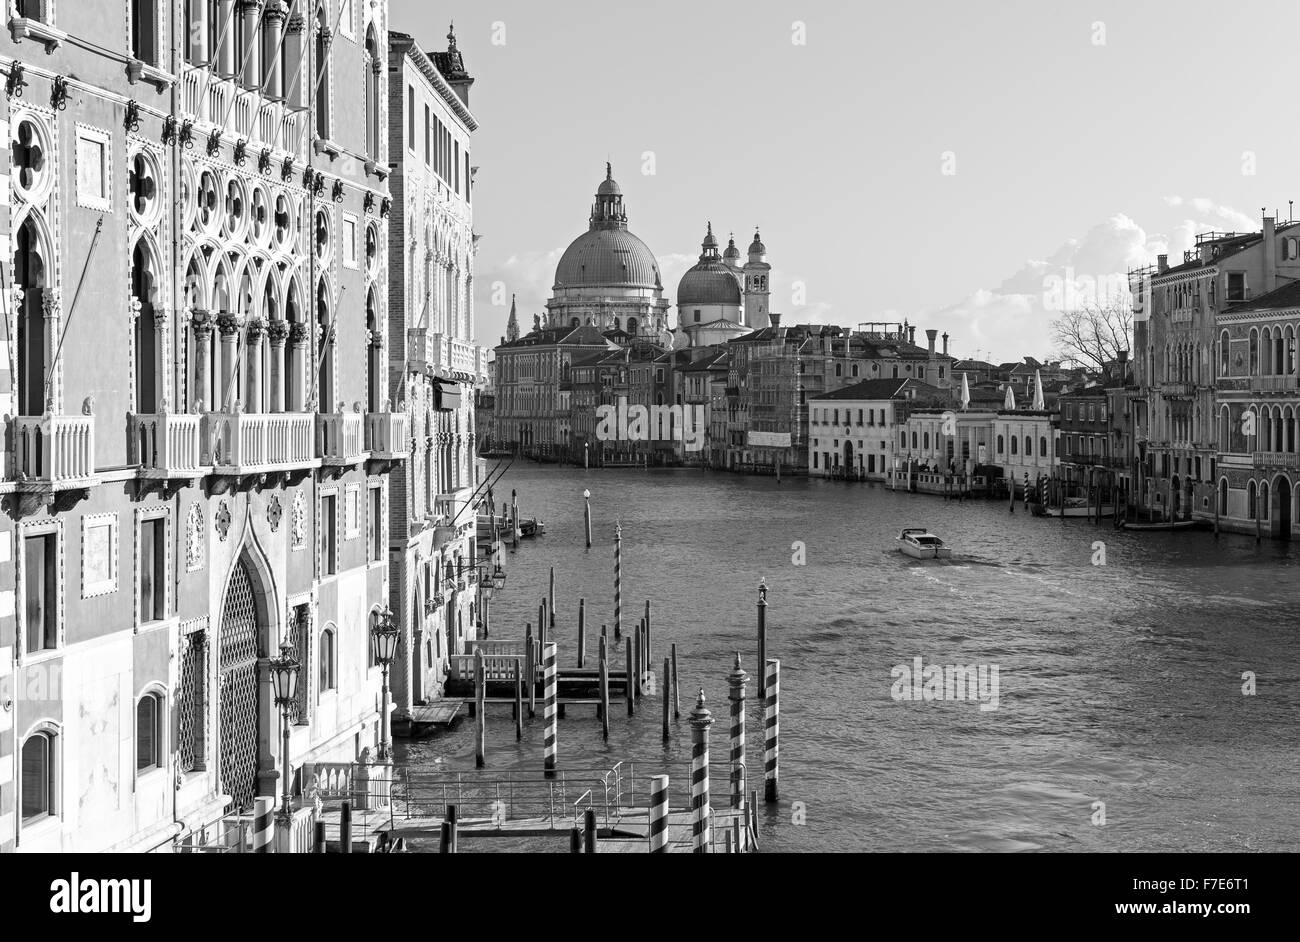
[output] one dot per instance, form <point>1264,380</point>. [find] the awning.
<point>449,395</point>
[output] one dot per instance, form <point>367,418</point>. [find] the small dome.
<point>732,252</point>
<point>757,247</point>
<point>710,242</point>
<point>608,186</point>
<point>708,282</point>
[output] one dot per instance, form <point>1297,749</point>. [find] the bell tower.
<point>758,288</point>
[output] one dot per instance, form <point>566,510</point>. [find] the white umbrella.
<point>1038,391</point>
<point>1010,402</point>
<point>965,392</point>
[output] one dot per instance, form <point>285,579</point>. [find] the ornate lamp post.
<point>384,634</point>
<point>284,680</point>
<point>586,497</point>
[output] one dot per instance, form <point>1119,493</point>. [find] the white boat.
<point>922,544</point>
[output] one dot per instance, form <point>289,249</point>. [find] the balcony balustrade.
<point>386,436</point>
<point>1276,459</point>
<point>168,445</point>
<point>55,452</point>
<point>341,438</point>
<point>257,443</point>
<point>1279,383</point>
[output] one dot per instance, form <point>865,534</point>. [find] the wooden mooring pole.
<point>677,710</point>
<point>519,704</point>
<point>631,697</point>
<point>582,633</point>
<point>604,692</point>
<point>667,667</point>
<point>618,581</point>
<point>480,699</point>
<point>771,730</point>
<point>762,637</point>
<point>701,720</point>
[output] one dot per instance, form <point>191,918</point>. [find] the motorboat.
<point>922,544</point>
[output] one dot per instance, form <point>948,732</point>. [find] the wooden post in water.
<point>649,648</point>
<point>659,814</point>
<point>589,831</point>
<point>637,663</point>
<point>762,635</point>
<point>772,730</point>
<point>736,681</point>
<point>586,497</point>
<point>701,720</point>
<point>519,704</point>
<point>618,581</point>
<point>514,518</point>
<point>320,837</point>
<point>550,598</point>
<point>530,670</point>
<point>452,828</point>
<point>541,621</point>
<point>582,633</point>
<point>345,828</point>
<point>575,840</point>
<point>603,709</point>
<point>677,710</point>
<point>667,667</point>
<point>631,696</point>
<point>480,698</point>
<point>444,838</point>
<point>551,714</point>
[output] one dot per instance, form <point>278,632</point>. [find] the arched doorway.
<point>240,702</point>
<point>848,459</point>
<point>1282,488</point>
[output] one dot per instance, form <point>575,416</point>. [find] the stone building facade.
<point>197,433</point>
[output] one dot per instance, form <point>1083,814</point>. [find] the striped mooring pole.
<point>263,824</point>
<point>701,720</point>
<point>551,707</point>
<point>771,729</point>
<point>762,636</point>
<point>659,814</point>
<point>736,681</point>
<point>618,581</point>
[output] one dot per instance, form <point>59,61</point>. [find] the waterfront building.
<point>1084,448</point>
<point>1258,401</point>
<point>852,432</point>
<point>1024,444</point>
<point>196,412</point>
<point>699,377</point>
<point>947,441</point>
<point>436,368</point>
<point>1179,358</point>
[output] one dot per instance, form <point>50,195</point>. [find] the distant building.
<point>853,431</point>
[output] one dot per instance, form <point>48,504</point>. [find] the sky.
<point>972,167</point>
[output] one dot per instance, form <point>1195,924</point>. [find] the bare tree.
<point>1092,336</point>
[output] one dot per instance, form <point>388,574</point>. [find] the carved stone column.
<point>295,45</point>
<point>299,336</point>
<point>52,307</point>
<point>277,332</point>
<point>201,325</point>
<point>162,325</point>
<point>224,54</point>
<point>251,66</point>
<point>272,29</point>
<point>226,400</point>
<point>253,332</point>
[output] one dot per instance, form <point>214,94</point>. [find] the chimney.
<point>931,334</point>
<point>911,334</point>
<point>775,318</point>
<point>945,343</point>
<point>1270,253</point>
<point>1162,264</point>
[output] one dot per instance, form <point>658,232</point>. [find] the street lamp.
<point>284,680</point>
<point>383,639</point>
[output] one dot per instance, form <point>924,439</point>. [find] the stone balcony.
<point>440,352</point>
<point>241,443</point>
<point>341,438</point>
<point>1275,459</point>
<point>1275,383</point>
<point>54,452</point>
<point>386,436</point>
<point>168,446</point>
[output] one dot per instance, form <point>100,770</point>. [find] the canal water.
<point>1119,683</point>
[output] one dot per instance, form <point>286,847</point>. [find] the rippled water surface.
<point>1119,683</point>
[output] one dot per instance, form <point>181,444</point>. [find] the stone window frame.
<point>321,494</point>
<point>380,524</point>
<point>86,132</point>
<point>30,528</point>
<point>162,747</point>
<point>351,511</point>
<point>110,585</point>
<point>56,731</point>
<point>145,515</point>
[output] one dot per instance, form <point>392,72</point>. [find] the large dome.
<point>607,257</point>
<point>708,283</point>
